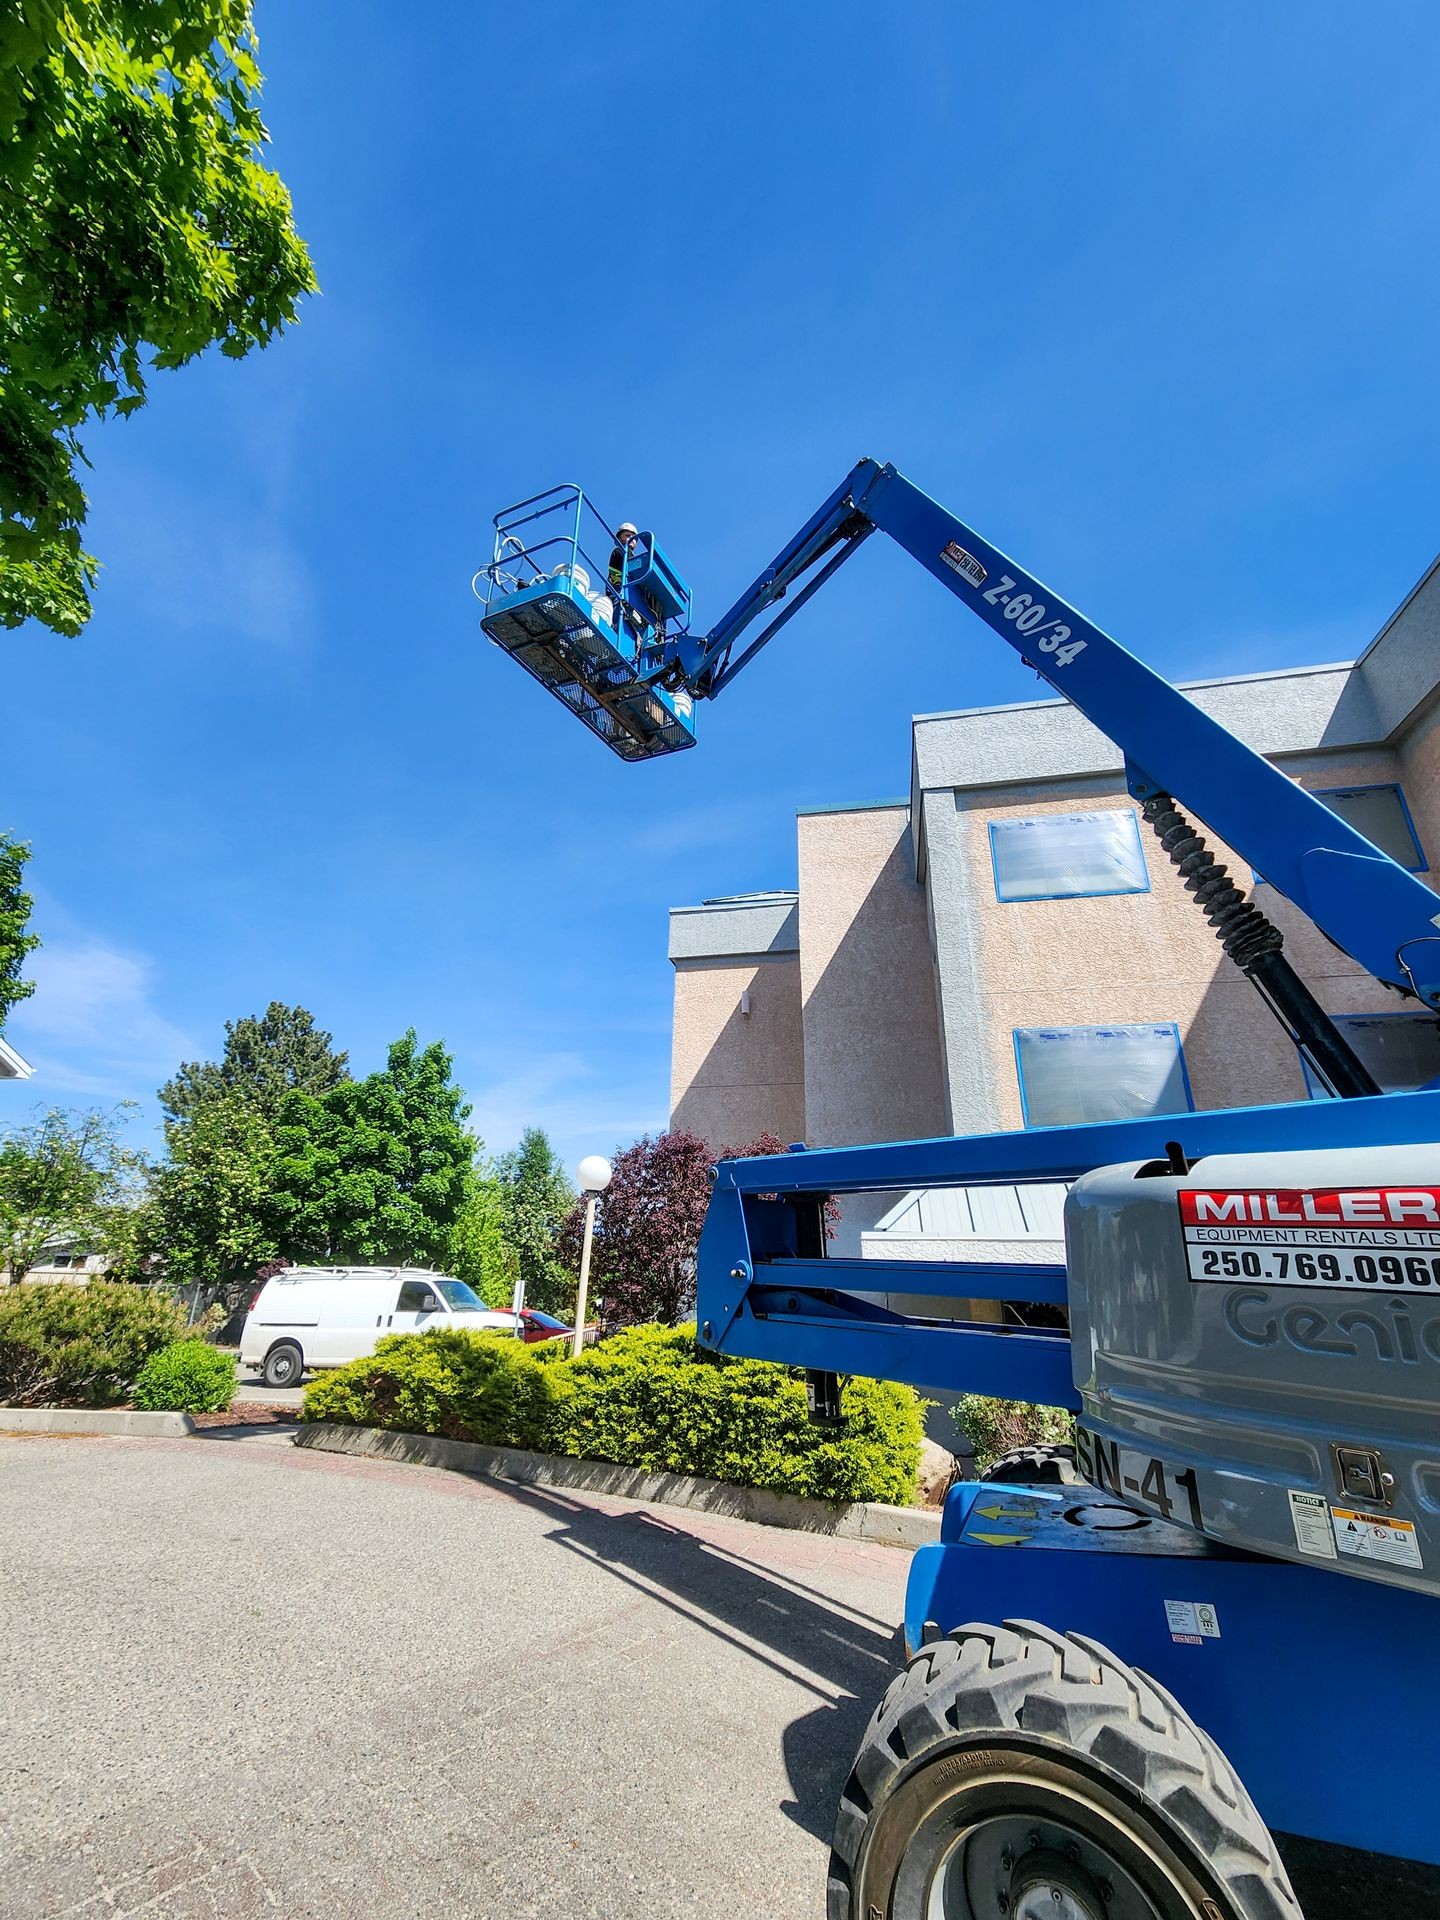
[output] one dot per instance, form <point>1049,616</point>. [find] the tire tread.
<point>1065,1691</point>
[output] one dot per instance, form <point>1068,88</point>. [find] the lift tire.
<point>1019,1762</point>
<point>1049,1466</point>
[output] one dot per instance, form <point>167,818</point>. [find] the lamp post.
<point>593,1174</point>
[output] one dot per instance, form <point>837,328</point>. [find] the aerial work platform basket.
<point>594,620</point>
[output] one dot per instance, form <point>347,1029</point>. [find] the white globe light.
<point>593,1173</point>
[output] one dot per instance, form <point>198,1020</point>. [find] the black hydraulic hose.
<point>1255,944</point>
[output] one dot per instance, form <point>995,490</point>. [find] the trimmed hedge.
<point>462,1386</point>
<point>648,1398</point>
<point>188,1376</point>
<point>69,1346</point>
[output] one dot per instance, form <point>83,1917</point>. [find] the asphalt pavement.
<point>241,1680</point>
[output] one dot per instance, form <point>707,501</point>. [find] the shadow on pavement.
<point>1335,1882</point>
<point>845,1657</point>
<point>250,1430</point>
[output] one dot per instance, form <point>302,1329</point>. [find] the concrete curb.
<point>862,1520</point>
<point>170,1426</point>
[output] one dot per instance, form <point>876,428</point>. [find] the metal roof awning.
<point>12,1066</point>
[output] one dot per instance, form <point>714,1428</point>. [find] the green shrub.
<point>69,1346</point>
<point>648,1398</point>
<point>462,1386</point>
<point>188,1376</point>
<point>993,1427</point>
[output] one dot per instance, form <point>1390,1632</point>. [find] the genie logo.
<point>1386,1330</point>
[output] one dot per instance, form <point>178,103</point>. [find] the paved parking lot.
<point>244,1680</point>
<point>241,1680</point>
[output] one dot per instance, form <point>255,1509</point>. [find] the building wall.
<point>1419,759</point>
<point>871,1039</point>
<point>737,1049</point>
<point>1116,959</point>
<point>885,999</point>
<point>735,1075</point>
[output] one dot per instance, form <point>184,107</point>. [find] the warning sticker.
<point>1359,1239</point>
<point>963,563</point>
<point>1310,1517</point>
<point>1375,1536</point>
<point>1192,1622</point>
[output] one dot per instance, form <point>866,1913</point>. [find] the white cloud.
<point>91,1027</point>
<point>580,1109</point>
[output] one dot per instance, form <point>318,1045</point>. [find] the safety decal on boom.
<point>1354,1238</point>
<point>963,563</point>
<point>1376,1536</point>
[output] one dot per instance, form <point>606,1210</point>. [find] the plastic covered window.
<point>1071,1074</point>
<point>1402,1050</point>
<point>1380,813</point>
<point>1058,856</point>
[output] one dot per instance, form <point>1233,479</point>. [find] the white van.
<point>323,1316</point>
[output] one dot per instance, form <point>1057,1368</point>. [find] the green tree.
<point>265,1058</point>
<point>537,1196</point>
<point>15,939</point>
<point>137,228</point>
<point>66,1176</point>
<point>375,1170</point>
<point>208,1216</point>
<point>478,1251</point>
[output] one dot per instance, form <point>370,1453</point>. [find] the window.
<point>462,1298</point>
<point>1069,1074</point>
<point>1380,813</point>
<point>416,1296</point>
<point>1059,856</point>
<point>1402,1050</point>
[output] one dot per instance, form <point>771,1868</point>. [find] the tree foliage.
<point>138,227</point>
<point>478,1251</point>
<point>67,1176</point>
<point>650,1216</point>
<point>209,1214</point>
<point>374,1170</point>
<point>536,1197</point>
<point>264,1059</point>
<point>15,938</point>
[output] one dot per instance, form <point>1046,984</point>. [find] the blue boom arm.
<point>1386,919</point>
<point>766,1287</point>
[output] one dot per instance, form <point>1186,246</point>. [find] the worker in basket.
<point>626,537</point>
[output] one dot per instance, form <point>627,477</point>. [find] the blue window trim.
<point>1372,786</point>
<point>1108,1026</point>
<point>1386,786</point>
<point>1084,893</point>
<point>1313,1090</point>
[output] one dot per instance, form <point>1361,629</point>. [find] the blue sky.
<point>1147,294</point>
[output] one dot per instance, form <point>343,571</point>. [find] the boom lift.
<point>1243,1570</point>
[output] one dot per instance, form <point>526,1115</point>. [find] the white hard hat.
<point>624,528</point>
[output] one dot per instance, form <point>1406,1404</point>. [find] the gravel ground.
<point>242,1680</point>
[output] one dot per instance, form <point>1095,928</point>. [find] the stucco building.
<point>1009,945</point>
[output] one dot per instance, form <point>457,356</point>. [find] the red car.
<point>544,1326</point>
